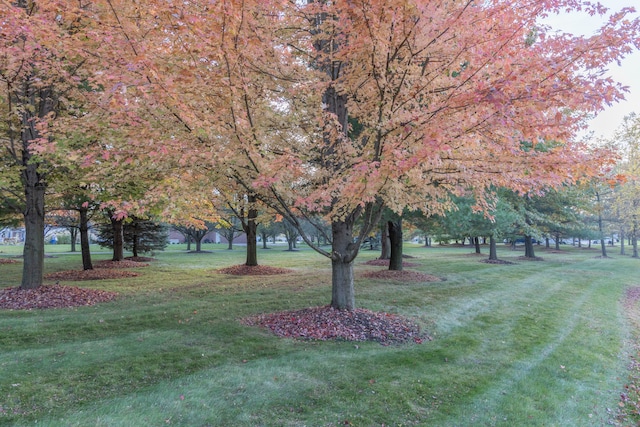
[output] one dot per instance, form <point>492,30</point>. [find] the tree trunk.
<point>33,252</point>
<point>476,242</point>
<point>84,240</point>
<point>395,236</point>
<point>136,243</point>
<point>493,250</point>
<point>385,242</point>
<point>199,244</point>
<point>634,241</point>
<point>557,241</point>
<point>118,239</point>
<point>73,234</point>
<point>601,228</point>
<point>188,242</point>
<point>264,240</point>
<point>343,252</point>
<point>528,247</point>
<point>622,237</point>
<point>603,248</point>
<point>251,230</point>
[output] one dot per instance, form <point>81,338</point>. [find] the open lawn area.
<point>532,343</point>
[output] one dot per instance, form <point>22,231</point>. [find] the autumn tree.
<point>443,94</point>
<point>39,68</point>
<point>627,195</point>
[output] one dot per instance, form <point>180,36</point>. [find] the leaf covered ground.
<point>401,276</point>
<point>51,296</point>
<point>255,270</point>
<point>326,323</point>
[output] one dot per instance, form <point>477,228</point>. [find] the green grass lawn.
<point>535,343</point>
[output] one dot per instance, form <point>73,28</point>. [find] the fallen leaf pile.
<point>529,258</point>
<point>95,274</point>
<point>496,261</point>
<point>125,263</point>
<point>255,270</point>
<point>403,276</point>
<point>327,323</point>
<point>8,261</point>
<point>385,263</point>
<point>52,296</point>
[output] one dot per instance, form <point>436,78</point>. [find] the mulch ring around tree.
<point>326,323</point>
<point>52,296</point>
<point>401,276</point>
<point>255,270</point>
<point>385,263</point>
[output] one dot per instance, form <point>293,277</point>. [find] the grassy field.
<point>535,343</point>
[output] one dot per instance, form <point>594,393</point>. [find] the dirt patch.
<point>8,261</point>
<point>327,323</point>
<point>52,296</point>
<point>385,263</point>
<point>256,270</point>
<point>402,276</point>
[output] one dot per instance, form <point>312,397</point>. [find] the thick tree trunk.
<point>476,242</point>
<point>557,241</point>
<point>264,237</point>
<point>634,242</point>
<point>385,242</point>
<point>395,236</point>
<point>493,250</point>
<point>33,252</point>
<point>622,237</point>
<point>134,246</point>
<point>528,247</point>
<point>199,244</point>
<point>251,230</point>
<point>84,240</point>
<point>343,253</point>
<point>188,242</point>
<point>118,239</point>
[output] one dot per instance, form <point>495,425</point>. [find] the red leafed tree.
<point>41,70</point>
<point>340,108</point>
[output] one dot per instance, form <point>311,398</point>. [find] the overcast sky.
<point>628,73</point>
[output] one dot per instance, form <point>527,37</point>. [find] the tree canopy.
<point>336,109</point>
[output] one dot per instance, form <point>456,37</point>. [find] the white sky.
<point>628,73</point>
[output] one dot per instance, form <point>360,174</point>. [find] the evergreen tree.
<point>140,235</point>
